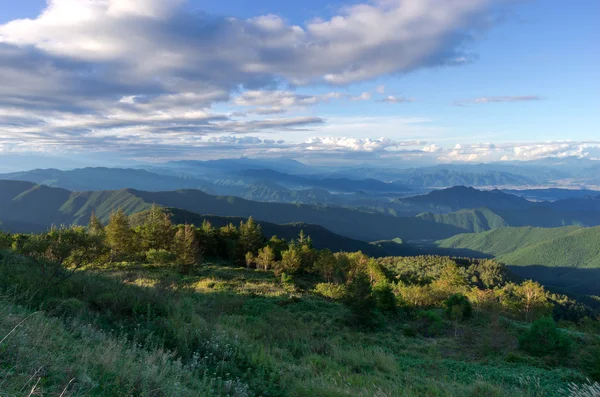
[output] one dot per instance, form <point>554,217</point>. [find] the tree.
<point>544,338</point>
<point>95,227</point>
<point>325,264</point>
<point>250,239</point>
<point>63,251</point>
<point>291,261</point>
<point>207,239</point>
<point>359,299</point>
<point>384,296</point>
<point>250,259</point>
<point>266,258</point>
<point>119,236</point>
<point>156,232</point>
<point>186,248</point>
<point>532,300</point>
<point>458,308</point>
<point>5,240</point>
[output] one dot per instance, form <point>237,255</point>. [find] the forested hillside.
<point>159,309</point>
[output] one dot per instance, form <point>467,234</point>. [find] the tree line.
<point>412,284</point>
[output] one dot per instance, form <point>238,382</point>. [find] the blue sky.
<point>382,81</point>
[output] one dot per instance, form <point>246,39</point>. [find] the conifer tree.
<point>185,246</point>
<point>251,238</point>
<point>95,227</point>
<point>157,230</point>
<point>119,235</point>
<point>266,258</point>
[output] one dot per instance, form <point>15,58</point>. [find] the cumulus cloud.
<point>110,74</point>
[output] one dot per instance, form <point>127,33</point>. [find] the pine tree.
<point>157,231</point>
<point>266,258</point>
<point>95,227</point>
<point>251,238</point>
<point>119,235</point>
<point>186,247</point>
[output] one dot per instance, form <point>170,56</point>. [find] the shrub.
<point>458,307</point>
<point>430,323</point>
<point>359,299</point>
<point>331,290</point>
<point>544,338</point>
<point>160,257</point>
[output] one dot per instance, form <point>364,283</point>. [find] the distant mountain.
<point>235,165</point>
<point>43,206</point>
<point>551,194</point>
<point>471,220</point>
<point>567,257</point>
<point>461,197</point>
<point>322,237</point>
<point>331,184</point>
<point>86,179</point>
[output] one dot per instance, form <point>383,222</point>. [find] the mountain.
<point>551,194</point>
<point>86,179</point>
<point>568,257</point>
<point>462,197</point>
<point>322,238</point>
<point>471,220</point>
<point>332,184</point>
<point>44,206</point>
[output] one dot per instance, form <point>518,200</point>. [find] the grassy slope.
<point>240,332</point>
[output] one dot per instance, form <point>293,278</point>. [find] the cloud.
<point>380,89</point>
<point>395,99</point>
<point>499,99</point>
<point>126,74</point>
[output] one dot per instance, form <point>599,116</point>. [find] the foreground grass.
<point>229,331</point>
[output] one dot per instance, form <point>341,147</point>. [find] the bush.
<point>458,307</point>
<point>544,338</point>
<point>430,323</point>
<point>359,299</point>
<point>331,290</point>
<point>160,257</point>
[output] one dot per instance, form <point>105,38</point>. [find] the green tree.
<point>291,261</point>
<point>266,258</point>
<point>325,264</point>
<point>207,238</point>
<point>186,248</point>
<point>95,227</point>
<point>250,260</point>
<point>359,299</point>
<point>544,339</point>
<point>250,238</point>
<point>458,308</point>
<point>384,296</point>
<point>119,236</point>
<point>156,233</point>
<point>532,300</point>
<point>63,251</point>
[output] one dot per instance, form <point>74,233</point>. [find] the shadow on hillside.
<point>568,279</point>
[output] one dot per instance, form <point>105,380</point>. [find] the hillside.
<point>43,206</point>
<point>567,257</point>
<point>462,197</point>
<point>321,237</point>
<point>471,220</point>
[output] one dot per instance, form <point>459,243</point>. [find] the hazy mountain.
<point>461,197</point>
<point>84,179</point>
<point>43,206</point>
<point>471,220</point>
<point>551,194</point>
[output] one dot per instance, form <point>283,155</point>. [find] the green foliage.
<point>119,235</point>
<point>6,240</point>
<point>359,299</point>
<point>160,257</point>
<point>156,233</point>
<point>331,291</point>
<point>384,296</point>
<point>430,323</point>
<point>266,258</point>
<point>544,338</point>
<point>291,261</point>
<point>458,307</point>
<point>186,248</point>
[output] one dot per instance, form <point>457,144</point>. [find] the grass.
<point>230,331</point>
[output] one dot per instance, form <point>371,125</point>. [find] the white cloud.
<point>380,89</point>
<point>499,99</point>
<point>395,99</point>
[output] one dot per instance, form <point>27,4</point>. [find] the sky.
<point>387,82</point>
